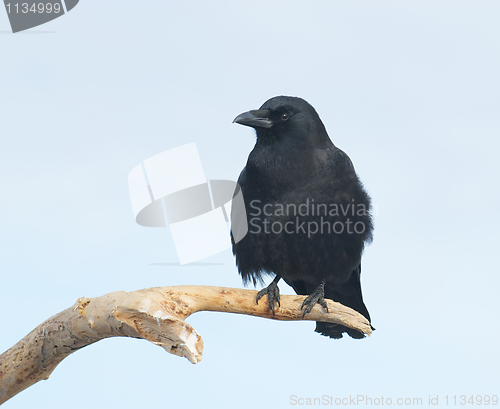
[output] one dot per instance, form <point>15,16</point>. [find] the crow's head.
<point>286,118</point>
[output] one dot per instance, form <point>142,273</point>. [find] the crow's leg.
<point>317,297</point>
<point>273,293</point>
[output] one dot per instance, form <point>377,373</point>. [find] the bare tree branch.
<point>154,314</point>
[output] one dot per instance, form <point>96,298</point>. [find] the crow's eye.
<point>284,117</point>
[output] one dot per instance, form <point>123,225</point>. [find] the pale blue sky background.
<point>409,89</point>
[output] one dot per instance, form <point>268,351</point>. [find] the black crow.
<point>308,214</point>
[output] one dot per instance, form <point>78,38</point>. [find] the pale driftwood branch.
<point>154,314</point>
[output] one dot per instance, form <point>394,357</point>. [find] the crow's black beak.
<point>255,119</point>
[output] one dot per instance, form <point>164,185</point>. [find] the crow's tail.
<point>350,296</point>
<point>336,330</point>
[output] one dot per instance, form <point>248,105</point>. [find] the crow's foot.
<point>273,294</point>
<point>317,297</point>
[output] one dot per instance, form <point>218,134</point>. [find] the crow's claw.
<point>273,294</point>
<point>317,297</point>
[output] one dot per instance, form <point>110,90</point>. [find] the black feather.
<point>295,180</point>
